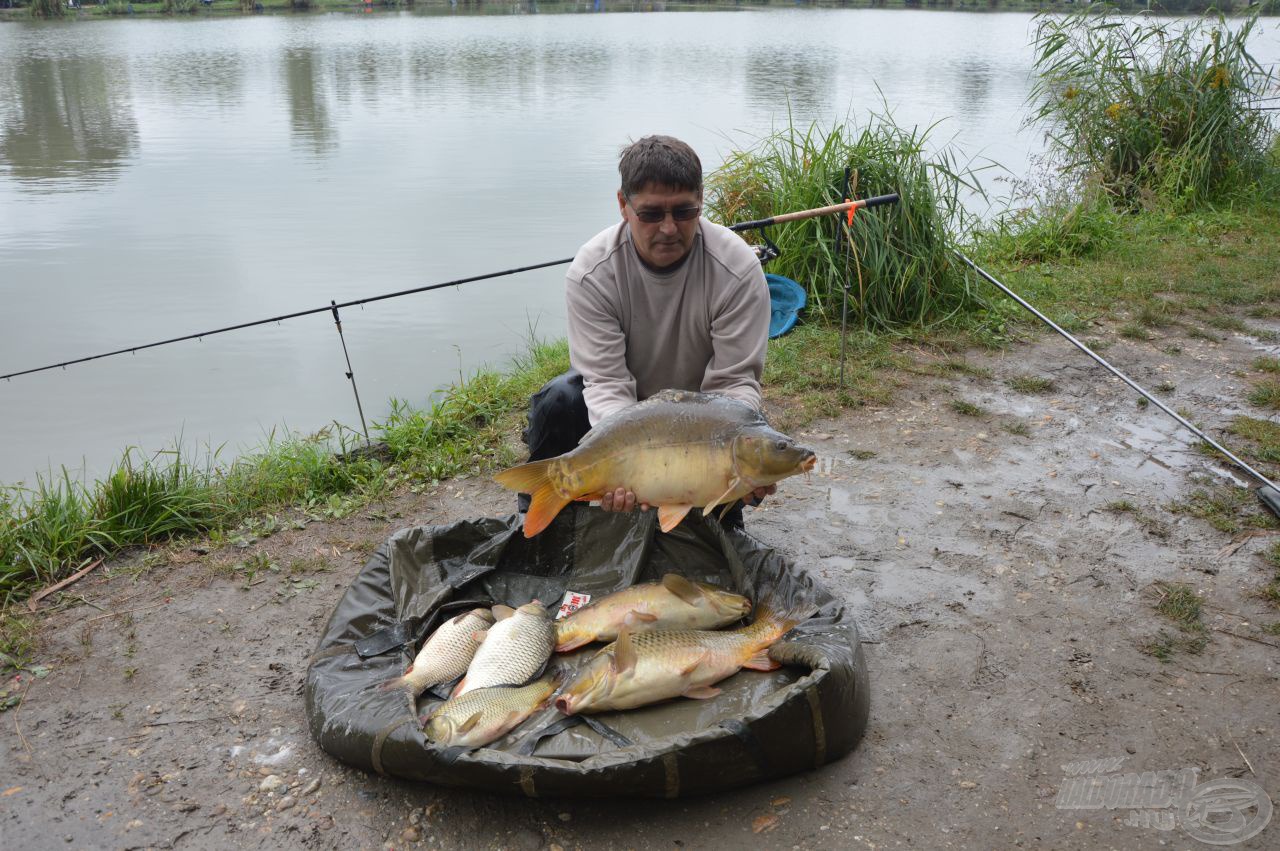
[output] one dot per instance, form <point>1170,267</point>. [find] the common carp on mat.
<point>673,603</point>
<point>647,667</point>
<point>447,654</point>
<point>514,649</point>
<point>675,450</point>
<point>486,714</point>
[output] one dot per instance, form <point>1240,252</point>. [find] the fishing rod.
<point>770,251</point>
<point>1267,492</point>
<point>331,307</point>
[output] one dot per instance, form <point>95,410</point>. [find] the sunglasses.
<point>653,217</point>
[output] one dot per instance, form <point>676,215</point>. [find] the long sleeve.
<point>598,349</point>
<point>739,338</point>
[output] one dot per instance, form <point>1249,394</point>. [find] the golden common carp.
<point>513,650</point>
<point>486,714</point>
<point>673,603</point>
<point>675,450</point>
<point>647,667</point>
<point>447,654</point>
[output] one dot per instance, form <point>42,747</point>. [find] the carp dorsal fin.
<point>624,652</point>
<point>669,516</point>
<point>682,588</point>
<point>501,612</point>
<point>471,722</point>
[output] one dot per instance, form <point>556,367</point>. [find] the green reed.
<point>900,270</point>
<point>1159,113</point>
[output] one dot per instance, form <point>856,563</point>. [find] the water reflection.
<point>309,114</point>
<point>974,82</point>
<point>71,122</point>
<point>805,82</point>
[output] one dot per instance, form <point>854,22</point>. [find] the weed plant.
<point>900,268</point>
<point>1158,113</point>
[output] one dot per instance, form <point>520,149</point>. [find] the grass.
<point>1180,604</point>
<point>1228,509</point>
<point>1155,113</point>
<point>967,409</point>
<point>899,266</point>
<point>51,529</point>
<point>1266,394</point>
<point>1029,384</point>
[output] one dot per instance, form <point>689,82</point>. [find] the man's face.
<point>666,242</point>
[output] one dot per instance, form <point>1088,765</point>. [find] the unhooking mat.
<point>762,726</point>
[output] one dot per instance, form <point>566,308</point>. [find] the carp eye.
<point>781,444</point>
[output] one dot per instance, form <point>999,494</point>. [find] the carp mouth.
<point>564,705</point>
<point>808,462</point>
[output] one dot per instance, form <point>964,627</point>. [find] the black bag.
<point>762,725</point>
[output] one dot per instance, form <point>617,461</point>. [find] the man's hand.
<point>621,499</point>
<point>757,496</point>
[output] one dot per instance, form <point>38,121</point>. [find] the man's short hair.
<point>661,160</point>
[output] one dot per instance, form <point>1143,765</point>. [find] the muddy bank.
<point>1002,564</point>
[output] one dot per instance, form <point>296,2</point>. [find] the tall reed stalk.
<point>901,271</point>
<point>1157,112</point>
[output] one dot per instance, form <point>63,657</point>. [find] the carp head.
<point>764,456</point>
<point>725,603</point>
<point>592,684</point>
<point>439,729</point>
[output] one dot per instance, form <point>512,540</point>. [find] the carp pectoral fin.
<point>457,690</point>
<point>688,669</point>
<point>702,692</point>
<point>682,588</point>
<point>501,612</point>
<point>470,722</point>
<point>573,643</point>
<point>624,652</point>
<point>733,486</point>
<point>669,516</point>
<point>633,617</point>
<point>761,662</point>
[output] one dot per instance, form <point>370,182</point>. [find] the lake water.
<point>164,177</point>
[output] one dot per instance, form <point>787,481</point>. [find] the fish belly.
<point>685,475</point>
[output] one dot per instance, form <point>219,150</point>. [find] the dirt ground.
<point>1004,599</point>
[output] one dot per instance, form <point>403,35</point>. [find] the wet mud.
<point>1003,567</point>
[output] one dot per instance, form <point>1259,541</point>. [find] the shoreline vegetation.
<point>113,8</point>
<point>1149,220</point>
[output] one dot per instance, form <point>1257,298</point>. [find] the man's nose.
<point>668,224</point>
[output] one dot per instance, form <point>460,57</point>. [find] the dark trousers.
<point>558,421</point>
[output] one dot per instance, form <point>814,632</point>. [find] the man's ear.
<point>622,204</point>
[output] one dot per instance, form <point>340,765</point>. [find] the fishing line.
<point>1268,493</point>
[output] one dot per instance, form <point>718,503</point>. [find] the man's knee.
<point>557,416</point>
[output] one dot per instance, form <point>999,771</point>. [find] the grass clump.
<point>967,409</point>
<point>1179,603</point>
<point>901,271</point>
<point>1029,384</point>
<point>1267,364</point>
<point>1266,394</point>
<point>1226,508</point>
<point>1156,112</point>
<point>1263,437</point>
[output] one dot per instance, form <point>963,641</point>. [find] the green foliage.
<point>1179,603</point>
<point>1058,228</point>
<point>901,270</point>
<point>48,8</point>
<point>1159,112</point>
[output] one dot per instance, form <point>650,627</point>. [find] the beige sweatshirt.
<point>633,332</point>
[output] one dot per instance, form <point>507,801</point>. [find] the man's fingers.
<point>630,501</point>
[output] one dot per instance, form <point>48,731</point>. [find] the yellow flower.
<point>1220,77</point>
<point>1071,93</point>
<point>1113,111</point>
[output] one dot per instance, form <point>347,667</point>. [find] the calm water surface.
<point>164,177</point>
